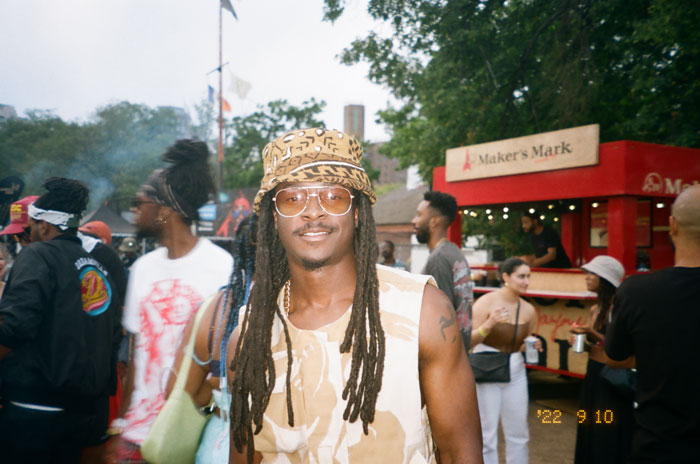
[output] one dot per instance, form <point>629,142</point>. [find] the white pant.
<point>507,401</point>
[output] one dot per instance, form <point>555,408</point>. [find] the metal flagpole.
<point>221,108</point>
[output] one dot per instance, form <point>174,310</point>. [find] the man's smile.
<point>314,231</point>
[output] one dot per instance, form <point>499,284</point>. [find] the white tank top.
<point>400,432</point>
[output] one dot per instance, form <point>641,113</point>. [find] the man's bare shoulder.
<point>402,280</point>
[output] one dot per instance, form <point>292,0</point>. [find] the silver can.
<point>531,353</point>
<point>579,343</point>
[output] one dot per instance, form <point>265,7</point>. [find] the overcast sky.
<point>73,56</point>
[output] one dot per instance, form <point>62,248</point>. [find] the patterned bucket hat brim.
<point>314,155</point>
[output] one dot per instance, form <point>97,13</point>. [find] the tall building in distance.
<point>354,121</point>
<point>354,124</point>
<point>7,112</point>
<point>397,205</point>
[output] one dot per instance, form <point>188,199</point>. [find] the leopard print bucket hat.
<point>314,155</point>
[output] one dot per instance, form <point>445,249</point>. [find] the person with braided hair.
<point>338,359</point>
<point>205,381</point>
<point>166,286</point>
<point>59,331</point>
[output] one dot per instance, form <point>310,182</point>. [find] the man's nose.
<point>313,206</point>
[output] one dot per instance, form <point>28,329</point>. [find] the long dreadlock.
<point>236,293</point>
<point>250,390</point>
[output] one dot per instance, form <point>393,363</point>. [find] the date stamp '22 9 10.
<point>597,416</point>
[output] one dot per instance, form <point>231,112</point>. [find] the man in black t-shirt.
<point>656,319</point>
<point>546,242</point>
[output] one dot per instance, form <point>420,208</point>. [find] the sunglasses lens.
<point>290,201</point>
<point>138,202</point>
<point>335,200</point>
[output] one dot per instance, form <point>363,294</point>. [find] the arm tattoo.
<point>445,323</point>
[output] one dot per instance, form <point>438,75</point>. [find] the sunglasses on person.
<point>137,202</point>
<point>292,201</point>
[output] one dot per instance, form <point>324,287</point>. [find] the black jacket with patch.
<point>60,314</point>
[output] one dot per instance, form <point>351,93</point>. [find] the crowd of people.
<point>298,346</point>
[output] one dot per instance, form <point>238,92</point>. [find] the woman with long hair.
<point>503,319</point>
<point>609,440</point>
<point>206,382</point>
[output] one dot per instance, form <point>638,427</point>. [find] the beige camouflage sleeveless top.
<point>400,432</point>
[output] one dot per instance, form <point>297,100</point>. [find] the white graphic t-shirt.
<point>161,297</point>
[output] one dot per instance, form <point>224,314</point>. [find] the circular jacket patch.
<point>96,291</point>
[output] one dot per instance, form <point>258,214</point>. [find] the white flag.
<point>239,86</point>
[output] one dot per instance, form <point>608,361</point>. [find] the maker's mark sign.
<point>548,151</point>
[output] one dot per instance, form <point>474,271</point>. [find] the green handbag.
<point>175,434</point>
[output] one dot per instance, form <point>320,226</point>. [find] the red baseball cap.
<point>99,229</point>
<point>19,216</point>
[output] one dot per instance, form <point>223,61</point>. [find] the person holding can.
<point>503,320</point>
<point>602,442</point>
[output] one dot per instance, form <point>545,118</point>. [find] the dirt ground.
<point>550,443</point>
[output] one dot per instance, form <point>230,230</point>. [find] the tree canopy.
<point>472,71</point>
<point>112,152</point>
<point>246,136</point>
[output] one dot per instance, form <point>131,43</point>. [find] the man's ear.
<point>165,212</point>
<point>46,229</point>
<point>435,222</point>
<point>43,228</point>
<point>672,226</point>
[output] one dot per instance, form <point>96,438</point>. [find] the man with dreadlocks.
<point>339,359</point>
<point>59,330</point>
<point>167,285</point>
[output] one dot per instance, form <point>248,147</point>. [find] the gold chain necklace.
<point>287,296</point>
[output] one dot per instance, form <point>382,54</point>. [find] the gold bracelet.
<point>482,332</point>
